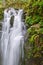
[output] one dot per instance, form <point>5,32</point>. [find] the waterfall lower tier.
<point>12,40</point>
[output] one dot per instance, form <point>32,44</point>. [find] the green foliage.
<point>32,20</point>
<point>32,38</point>
<point>1,13</point>
<point>34,12</point>
<point>35,42</point>
<point>41,23</point>
<point>41,30</point>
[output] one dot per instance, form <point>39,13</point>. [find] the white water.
<point>12,40</point>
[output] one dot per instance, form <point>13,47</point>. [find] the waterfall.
<point>12,40</point>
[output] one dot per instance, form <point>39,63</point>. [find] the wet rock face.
<point>11,21</point>
<point>34,61</point>
<point>30,59</point>
<point>1,22</point>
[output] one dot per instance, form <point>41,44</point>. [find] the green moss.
<point>41,23</point>
<point>41,30</point>
<point>1,13</point>
<point>32,38</point>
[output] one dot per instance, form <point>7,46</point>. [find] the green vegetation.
<point>34,22</point>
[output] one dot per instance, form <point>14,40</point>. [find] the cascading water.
<point>12,40</point>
